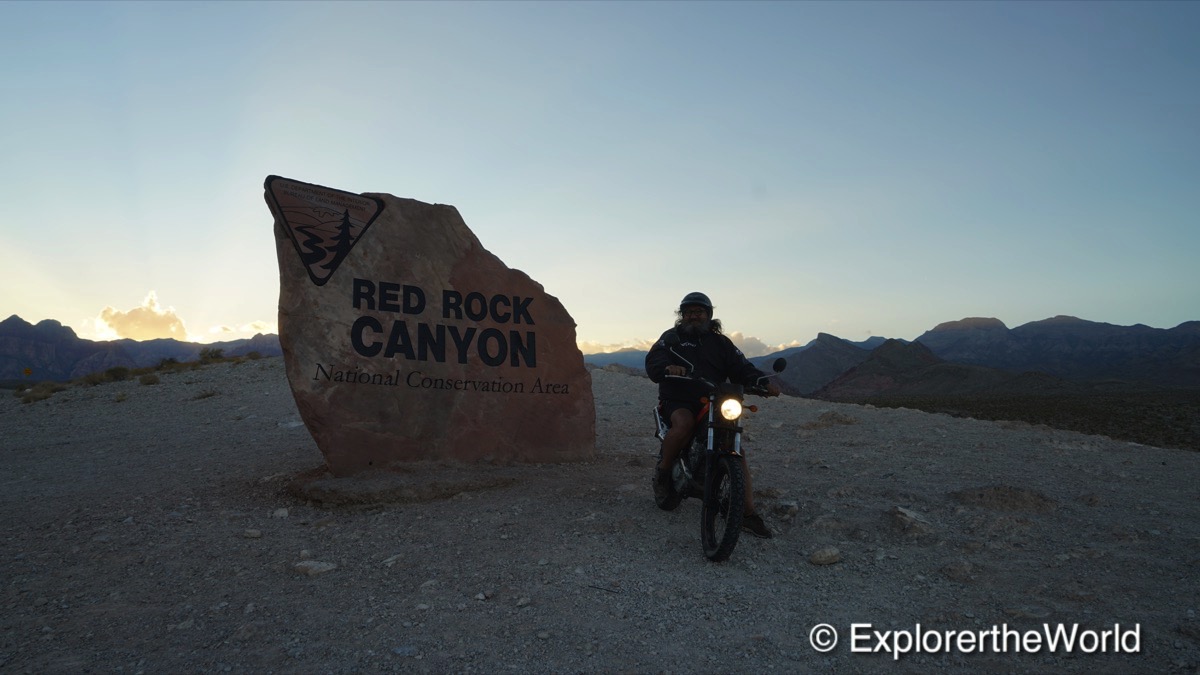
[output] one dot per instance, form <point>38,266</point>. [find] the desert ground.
<point>160,528</point>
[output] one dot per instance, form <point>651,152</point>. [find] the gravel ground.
<point>151,528</point>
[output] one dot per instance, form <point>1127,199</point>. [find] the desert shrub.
<point>209,354</point>
<point>91,379</point>
<point>34,395</point>
<point>829,419</point>
<point>120,397</point>
<point>42,391</point>
<point>116,374</point>
<point>253,356</point>
<point>148,378</point>
<point>170,366</point>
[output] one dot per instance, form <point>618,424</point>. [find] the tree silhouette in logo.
<point>343,241</point>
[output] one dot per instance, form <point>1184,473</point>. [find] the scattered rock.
<point>825,556</point>
<point>828,419</point>
<point>961,571</point>
<point>1005,498</point>
<point>910,522</point>
<point>785,511</point>
<point>314,567</point>
<point>1028,612</point>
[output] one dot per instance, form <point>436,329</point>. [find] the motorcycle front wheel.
<point>721,515</point>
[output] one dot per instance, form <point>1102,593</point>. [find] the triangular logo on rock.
<point>323,223</point>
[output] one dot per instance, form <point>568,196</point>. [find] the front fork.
<point>710,459</point>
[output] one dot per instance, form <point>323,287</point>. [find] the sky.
<point>861,169</point>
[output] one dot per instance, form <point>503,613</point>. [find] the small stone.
<point>252,534</point>
<point>523,602</point>
<point>1190,629</point>
<point>825,556</point>
<point>961,571</point>
<point>305,554</point>
<point>543,635</point>
<point>910,522</point>
<point>423,607</point>
<point>1028,612</point>
<point>280,513</point>
<point>786,510</point>
<point>314,567</point>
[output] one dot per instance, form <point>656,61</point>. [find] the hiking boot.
<point>753,523</point>
<point>662,484</point>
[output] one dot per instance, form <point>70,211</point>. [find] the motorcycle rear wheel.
<point>721,514</point>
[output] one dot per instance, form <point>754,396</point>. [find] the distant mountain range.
<point>52,351</point>
<point>1063,354</point>
<point>965,357</point>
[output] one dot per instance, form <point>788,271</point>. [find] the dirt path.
<point>150,529</point>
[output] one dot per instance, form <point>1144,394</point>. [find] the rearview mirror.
<point>779,365</point>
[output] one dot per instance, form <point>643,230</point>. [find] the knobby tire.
<point>721,515</point>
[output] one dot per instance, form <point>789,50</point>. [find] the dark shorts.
<point>667,407</point>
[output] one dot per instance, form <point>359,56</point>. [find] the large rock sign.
<point>404,339</point>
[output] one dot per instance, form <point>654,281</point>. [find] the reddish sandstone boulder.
<point>404,339</point>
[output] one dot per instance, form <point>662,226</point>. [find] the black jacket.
<point>715,357</point>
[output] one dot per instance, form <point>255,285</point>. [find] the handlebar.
<point>757,390</point>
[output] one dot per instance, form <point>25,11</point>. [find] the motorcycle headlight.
<point>731,409</point>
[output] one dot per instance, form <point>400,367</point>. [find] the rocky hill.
<point>898,369</point>
<point>911,376</point>
<point>1075,349</point>
<point>1064,348</point>
<point>52,351</point>
<point>816,364</point>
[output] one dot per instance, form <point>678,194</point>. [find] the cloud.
<point>750,346</point>
<point>148,322</point>
<point>221,333</point>
<point>602,348</point>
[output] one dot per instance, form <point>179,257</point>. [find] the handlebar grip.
<point>691,378</point>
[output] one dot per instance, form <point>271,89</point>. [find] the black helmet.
<point>696,298</point>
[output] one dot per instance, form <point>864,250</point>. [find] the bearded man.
<point>715,358</point>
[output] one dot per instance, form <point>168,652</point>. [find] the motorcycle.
<point>712,467</point>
